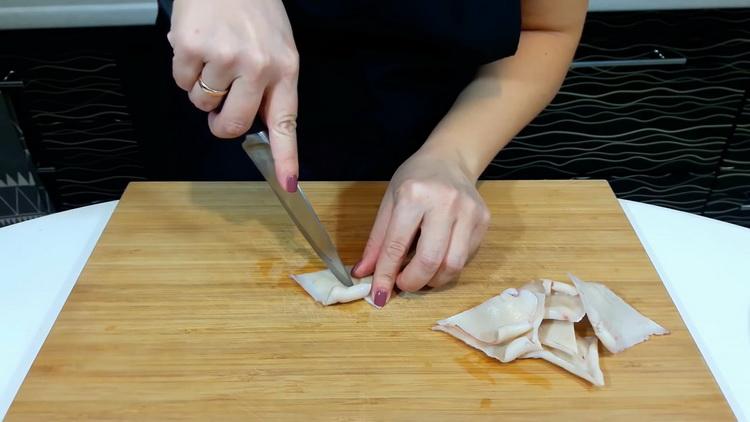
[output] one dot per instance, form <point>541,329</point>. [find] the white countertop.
<point>705,266</point>
<point>40,261</point>
<point>26,14</point>
<point>703,263</point>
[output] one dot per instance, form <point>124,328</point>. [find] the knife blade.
<point>297,205</point>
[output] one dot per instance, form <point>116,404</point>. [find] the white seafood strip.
<point>561,302</point>
<point>542,286</point>
<point>564,307</point>
<point>617,324</point>
<point>584,363</point>
<point>504,327</point>
<point>558,335</point>
<point>560,287</point>
<point>326,289</point>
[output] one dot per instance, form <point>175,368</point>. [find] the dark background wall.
<point>666,129</point>
<point>656,103</point>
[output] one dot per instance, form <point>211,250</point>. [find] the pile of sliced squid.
<point>538,320</point>
<point>535,321</point>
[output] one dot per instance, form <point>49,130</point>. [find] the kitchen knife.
<point>297,206</point>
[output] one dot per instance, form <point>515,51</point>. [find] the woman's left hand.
<point>434,195</point>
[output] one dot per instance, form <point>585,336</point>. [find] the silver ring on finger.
<point>211,91</point>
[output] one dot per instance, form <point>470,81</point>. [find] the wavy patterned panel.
<point>657,132</point>
<point>593,129</point>
<point>685,192</point>
<point>730,198</point>
<point>77,106</point>
<point>738,151</point>
<point>706,35</point>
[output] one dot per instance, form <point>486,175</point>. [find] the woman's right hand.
<point>247,48</point>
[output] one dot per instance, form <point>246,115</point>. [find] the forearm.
<point>506,95</point>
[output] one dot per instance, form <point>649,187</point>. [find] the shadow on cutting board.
<point>297,257</point>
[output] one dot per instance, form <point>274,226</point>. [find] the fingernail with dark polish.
<point>291,184</point>
<point>356,267</point>
<point>381,296</point>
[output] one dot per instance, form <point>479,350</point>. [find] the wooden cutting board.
<point>186,310</point>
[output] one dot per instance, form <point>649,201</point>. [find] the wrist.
<point>451,155</point>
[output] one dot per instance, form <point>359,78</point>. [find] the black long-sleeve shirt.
<point>375,78</point>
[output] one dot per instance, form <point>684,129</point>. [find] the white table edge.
<point>684,314</point>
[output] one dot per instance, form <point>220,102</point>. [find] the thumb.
<point>366,265</point>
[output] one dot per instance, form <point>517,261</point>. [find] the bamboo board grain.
<point>185,310</point>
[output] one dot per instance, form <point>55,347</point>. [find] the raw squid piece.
<point>583,363</point>
<point>617,324</point>
<point>538,320</point>
<point>326,289</point>
<point>561,302</point>
<point>558,335</point>
<point>504,327</point>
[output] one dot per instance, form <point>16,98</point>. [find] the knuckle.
<point>260,61</point>
<point>202,103</point>
<point>451,194</point>
<point>439,281</point>
<point>225,56</point>
<point>385,278</point>
<point>181,80</point>
<point>286,125</point>
<point>411,189</point>
<point>232,129</point>
<point>254,77</point>
<point>454,202</point>
<point>434,284</point>
<point>454,265</point>
<point>395,249</point>
<point>187,45</point>
<point>485,216</point>
<point>407,285</point>
<point>470,206</point>
<point>289,63</point>
<point>428,262</point>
